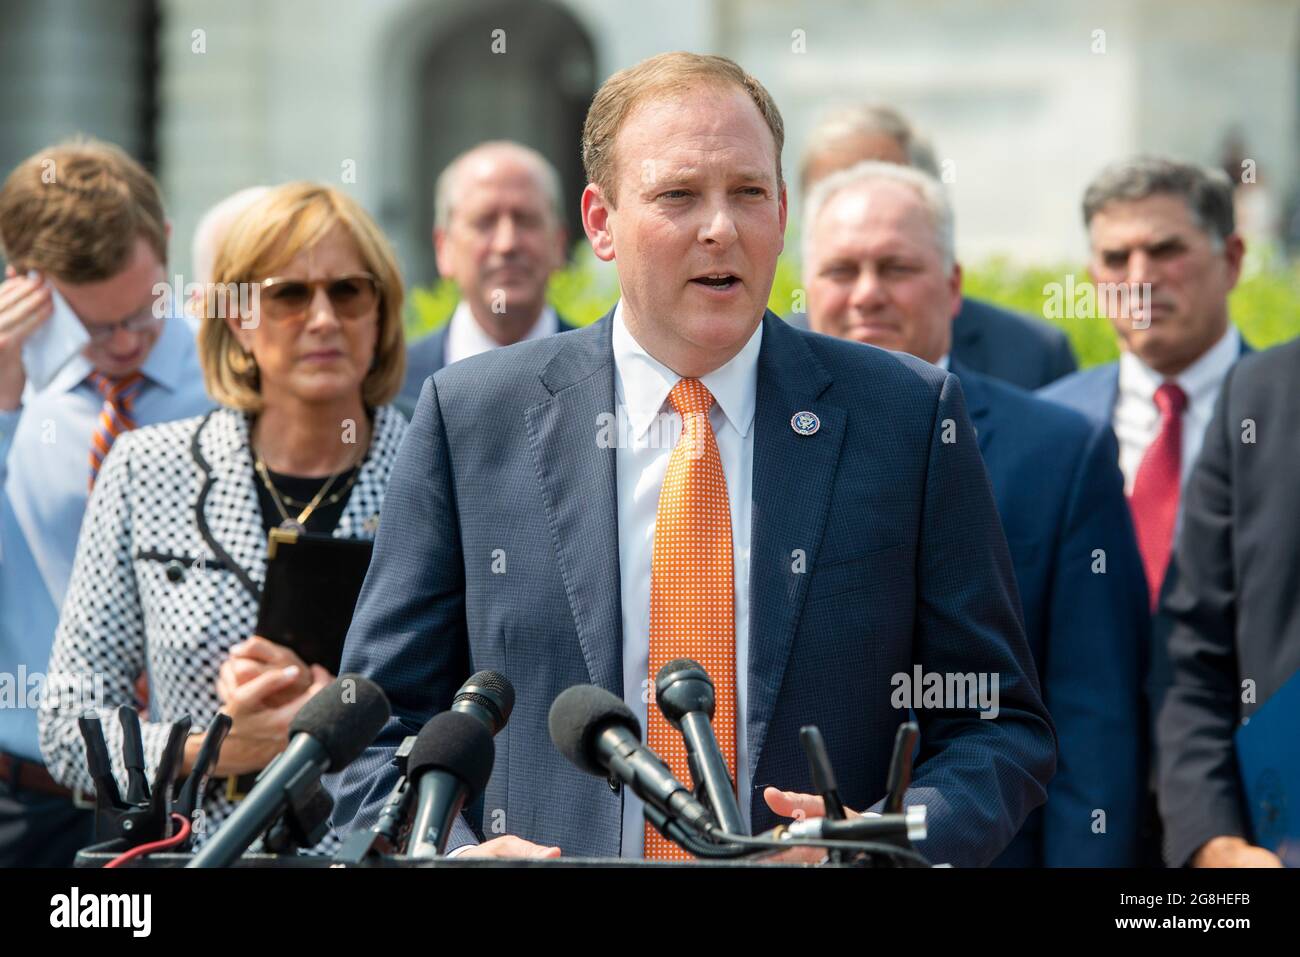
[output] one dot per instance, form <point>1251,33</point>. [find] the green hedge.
<point>1265,305</point>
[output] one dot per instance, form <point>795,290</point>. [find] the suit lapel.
<point>793,477</point>
<point>1108,391</point>
<point>580,494</point>
<point>977,404</point>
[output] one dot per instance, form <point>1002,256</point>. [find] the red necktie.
<point>1154,501</point>
<point>115,416</point>
<point>692,602</point>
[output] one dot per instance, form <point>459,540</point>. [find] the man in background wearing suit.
<point>498,232</point>
<point>1160,230</point>
<point>880,268</point>
<point>810,538</point>
<point>1235,606</point>
<point>986,338</point>
<point>1167,226</point>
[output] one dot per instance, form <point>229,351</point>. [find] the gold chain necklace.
<point>292,502</point>
<point>298,524</point>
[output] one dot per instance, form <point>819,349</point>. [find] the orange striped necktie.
<point>692,603</point>
<point>115,417</point>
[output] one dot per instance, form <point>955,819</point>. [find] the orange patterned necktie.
<point>115,417</point>
<point>692,603</point>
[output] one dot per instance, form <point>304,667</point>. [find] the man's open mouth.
<point>717,280</point>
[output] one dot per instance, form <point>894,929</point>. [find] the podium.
<point>97,859</point>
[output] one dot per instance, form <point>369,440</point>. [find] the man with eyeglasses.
<point>84,238</point>
<point>499,233</point>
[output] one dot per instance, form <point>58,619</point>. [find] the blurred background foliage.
<point>1265,305</point>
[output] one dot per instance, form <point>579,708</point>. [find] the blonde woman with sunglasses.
<point>301,344</point>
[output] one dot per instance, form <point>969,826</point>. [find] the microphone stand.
<point>144,815</point>
<point>384,837</point>
<point>888,846</point>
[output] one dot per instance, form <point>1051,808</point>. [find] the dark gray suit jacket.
<point>1232,595</point>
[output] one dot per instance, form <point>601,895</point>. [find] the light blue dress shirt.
<point>44,479</point>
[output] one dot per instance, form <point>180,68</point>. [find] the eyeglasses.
<point>351,296</point>
<point>144,322</point>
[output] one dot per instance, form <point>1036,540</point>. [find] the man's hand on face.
<point>24,305</point>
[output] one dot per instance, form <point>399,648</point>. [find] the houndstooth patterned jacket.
<point>168,575</point>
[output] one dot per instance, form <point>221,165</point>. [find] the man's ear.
<point>785,212</point>
<point>439,252</point>
<point>1234,251</point>
<point>954,288</point>
<point>596,214</point>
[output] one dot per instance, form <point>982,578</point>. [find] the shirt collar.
<point>643,382</point>
<point>165,365</point>
<point>1138,379</point>
<point>465,337</point>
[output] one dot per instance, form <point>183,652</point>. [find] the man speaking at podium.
<point>821,532</point>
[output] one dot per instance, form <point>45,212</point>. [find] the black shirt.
<point>326,516</point>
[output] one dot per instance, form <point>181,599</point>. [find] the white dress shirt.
<point>1137,420</point>
<point>465,337</point>
<point>649,429</point>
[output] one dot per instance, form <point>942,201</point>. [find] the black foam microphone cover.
<point>345,717</point>
<point>578,715</point>
<point>457,743</point>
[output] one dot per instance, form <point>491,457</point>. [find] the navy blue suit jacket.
<point>904,563</point>
<point>1060,494</point>
<point>427,356</point>
<point>1003,344</point>
<point>1094,392</point>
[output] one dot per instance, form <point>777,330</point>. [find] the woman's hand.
<point>256,656</point>
<point>260,729</point>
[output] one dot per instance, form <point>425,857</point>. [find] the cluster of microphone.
<point>448,764</point>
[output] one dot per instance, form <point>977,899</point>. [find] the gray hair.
<point>1207,191</point>
<point>929,190</point>
<point>547,178</point>
<point>868,120</point>
<point>213,226</point>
